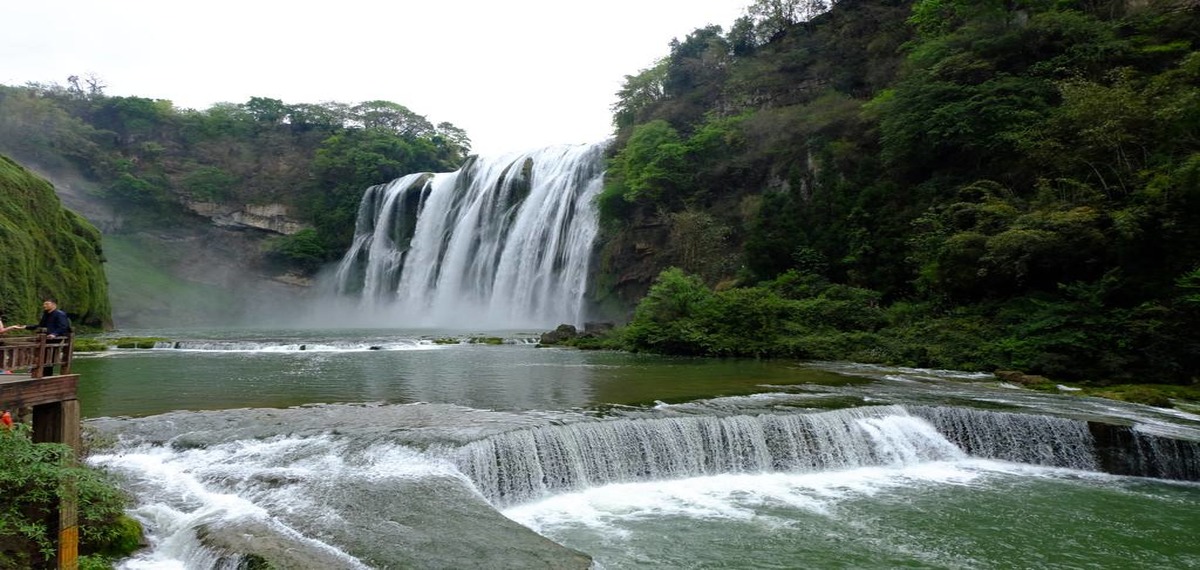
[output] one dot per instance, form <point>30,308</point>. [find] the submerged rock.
<point>1017,377</point>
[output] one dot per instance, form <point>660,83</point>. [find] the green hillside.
<point>46,250</point>
<point>150,160</point>
<point>940,183</point>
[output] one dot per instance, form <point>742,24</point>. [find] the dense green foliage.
<point>150,159</point>
<point>973,185</point>
<point>32,478</point>
<point>47,251</point>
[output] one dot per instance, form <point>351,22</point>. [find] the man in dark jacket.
<point>56,325</point>
<point>54,320</point>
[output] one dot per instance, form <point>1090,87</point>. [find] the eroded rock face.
<point>560,334</point>
<point>269,217</point>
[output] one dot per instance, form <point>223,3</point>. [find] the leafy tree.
<point>696,62</point>
<point>1016,188</point>
<point>353,160</point>
<point>455,139</point>
<point>742,38</point>
<point>694,74</point>
<point>302,249</point>
<point>665,321</point>
<point>133,190</point>
<point>772,18</point>
<point>639,94</point>
<point>652,168</point>
<point>133,119</point>
<point>394,117</point>
<point>36,130</point>
<point>267,111</point>
<point>326,117</point>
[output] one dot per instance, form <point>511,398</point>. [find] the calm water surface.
<point>215,370</point>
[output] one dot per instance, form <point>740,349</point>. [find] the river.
<point>392,449</point>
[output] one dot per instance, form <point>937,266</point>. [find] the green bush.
<point>33,477</point>
<point>303,249</point>
<point>666,319</point>
<point>137,341</point>
<point>89,345</point>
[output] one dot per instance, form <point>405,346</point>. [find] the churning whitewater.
<point>503,242</point>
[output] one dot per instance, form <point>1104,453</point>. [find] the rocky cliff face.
<point>273,218</point>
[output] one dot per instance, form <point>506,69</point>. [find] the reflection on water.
<point>272,370</point>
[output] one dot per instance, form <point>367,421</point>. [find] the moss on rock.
<point>47,251</point>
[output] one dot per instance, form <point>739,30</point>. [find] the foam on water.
<point>744,496</point>
<point>187,494</point>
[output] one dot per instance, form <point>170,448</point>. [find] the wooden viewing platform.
<point>33,393</point>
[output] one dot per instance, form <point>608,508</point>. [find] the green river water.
<point>345,449</point>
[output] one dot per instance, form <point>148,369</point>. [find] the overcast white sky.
<point>516,74</point>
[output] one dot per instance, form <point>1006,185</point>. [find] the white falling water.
<point>504,242</point>
<point>1024,438</point>
<point>524,465</point>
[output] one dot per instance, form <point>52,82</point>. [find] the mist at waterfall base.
<point>510,456</point>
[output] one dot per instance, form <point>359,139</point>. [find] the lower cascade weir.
<point>524,465</point>
<point>1125,451</point>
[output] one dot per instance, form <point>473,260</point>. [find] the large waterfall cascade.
<point>501,243</point>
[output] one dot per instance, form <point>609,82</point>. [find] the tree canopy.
<point>152,159</point>
<point>1014,182</point>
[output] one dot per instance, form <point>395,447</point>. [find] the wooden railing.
<point>50,403</point>
<point>38,353</point>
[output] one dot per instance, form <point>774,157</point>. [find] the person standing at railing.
<point>54,320</point>
<point>56,324</point>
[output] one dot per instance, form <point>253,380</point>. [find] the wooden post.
<point>58,422</point>
<point>39,356</point>
<point>68,351</point>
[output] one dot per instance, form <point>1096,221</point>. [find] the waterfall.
<point>523,465</point>
<point>1165,457</point>
<point>1022,438</point>
<point>527,464</point>
<point>1128,450</point>
<point>503,242</point>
